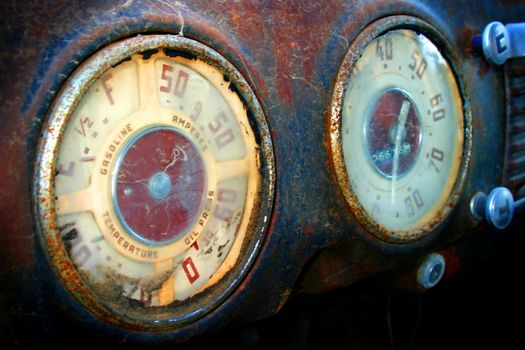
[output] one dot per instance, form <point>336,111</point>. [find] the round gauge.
<point>398,133</point>
<point>154,181</point>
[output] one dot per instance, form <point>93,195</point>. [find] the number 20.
<point>410,200</point>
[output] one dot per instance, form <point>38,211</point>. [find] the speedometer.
<point>398,133</point>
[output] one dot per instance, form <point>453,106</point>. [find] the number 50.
<point>181,82</point>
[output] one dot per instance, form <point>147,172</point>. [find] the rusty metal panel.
<point>289,52</point>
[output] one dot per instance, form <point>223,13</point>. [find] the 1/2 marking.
<point>84,122</point>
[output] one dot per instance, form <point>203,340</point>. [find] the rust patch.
<point>453,262</point>
<point>309,230</point>
<point>483,68</point>
<point>295,59</point>
<point>284,298</point>
<point>465,39</point>
<point>110,285</point>
<point>478,126</point>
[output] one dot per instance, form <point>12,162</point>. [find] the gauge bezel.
<point>178,313</point>
<point>373,229</point>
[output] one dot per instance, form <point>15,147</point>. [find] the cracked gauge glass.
<point>154,180</point>
<point>399,135</point>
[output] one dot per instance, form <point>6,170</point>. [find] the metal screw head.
<point>499,208</point>
<point>431,270</point>
<point>495,43</point>
<point>159,185</point>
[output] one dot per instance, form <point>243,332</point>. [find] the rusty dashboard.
<point>172,169</point>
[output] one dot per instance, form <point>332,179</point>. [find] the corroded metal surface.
<point>289,53</point>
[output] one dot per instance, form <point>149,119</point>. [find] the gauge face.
<point>400,136</point>
<point>159,187</point>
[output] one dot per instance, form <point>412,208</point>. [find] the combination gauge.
<point>154,181</point>
<point>397,133</point>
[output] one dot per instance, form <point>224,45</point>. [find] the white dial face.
<point>402,135</point>
<point>156,180</point>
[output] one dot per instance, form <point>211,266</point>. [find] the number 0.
<point>190,270</point>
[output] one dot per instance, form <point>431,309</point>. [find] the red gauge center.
<point>393,133</point>
<point>159,185</point>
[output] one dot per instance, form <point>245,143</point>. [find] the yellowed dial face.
<point>401,136</point>
<point>158,177</point>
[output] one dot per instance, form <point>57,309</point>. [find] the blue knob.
<point>497,208</point>
<point>501,42</point>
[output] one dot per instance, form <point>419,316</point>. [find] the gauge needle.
<point>401,120</point>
